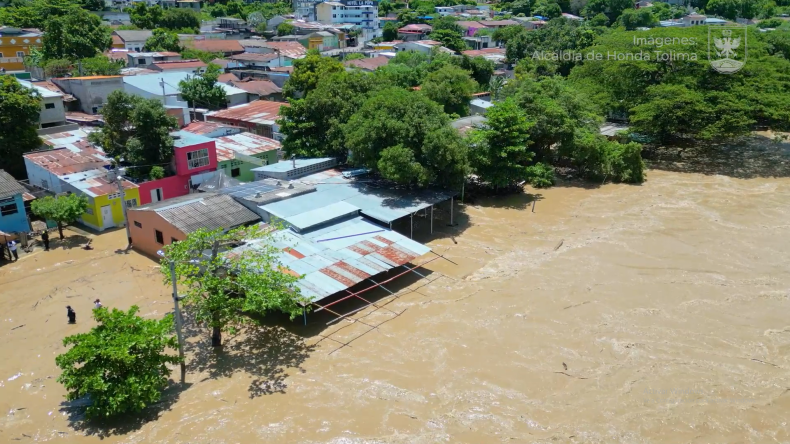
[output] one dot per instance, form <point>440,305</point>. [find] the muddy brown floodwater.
<point>641,314</point>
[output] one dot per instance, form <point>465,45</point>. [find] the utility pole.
<point>179,325</point>
<point>119,180</point>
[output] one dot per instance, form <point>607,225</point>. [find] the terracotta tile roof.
<point>260,112</point>
<point>369,64</point>
<point>215,45</point>
<point>244,143</point>
<point>116,40</point>
<point>416,27</point>
<point>179,64</point>
<point>117,54</point>
<point>498,23</point>
<point>261,87</point>
<point>468,24</point>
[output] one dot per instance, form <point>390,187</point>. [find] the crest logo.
<point>727,48</point>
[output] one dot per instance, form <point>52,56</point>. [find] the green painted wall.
<point>245,174</point>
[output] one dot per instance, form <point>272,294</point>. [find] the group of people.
<point>12,245</point>
<point>72,315</point>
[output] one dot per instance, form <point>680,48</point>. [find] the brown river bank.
<point>657,313</point>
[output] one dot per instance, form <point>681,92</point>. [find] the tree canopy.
<point>451,87</point>
<point>20,108</point>
<point>121,365</point>
<point>77,35</point>
<point>203,90</point>
<point>308,72</point>
<point>163,40</point>
<point>407,138</point>
<point>63,209</point>
<point>223,289</point>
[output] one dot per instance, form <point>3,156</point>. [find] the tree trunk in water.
<point>216,334</point>
<point>60,230</point>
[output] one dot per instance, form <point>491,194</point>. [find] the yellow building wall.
<point>9,60</point>
<point>315,42</point>
<point>115,205</point>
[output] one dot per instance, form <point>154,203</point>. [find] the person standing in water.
<point>96,304</point>
<point>45,239</point>
<point>71,314</point>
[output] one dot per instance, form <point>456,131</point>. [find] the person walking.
<point>96,304</point>
<point>12,249</point>
<point>71,314</point>
<point>45,239</point>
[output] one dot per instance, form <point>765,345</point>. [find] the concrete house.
<point>194,159</point>
<point>259,117</point>
<point>238,154</point>
<point>53,113</point>
<point>155,225</point>
<point>164,87</point>
<point>13,217</point>
<point>73,165</point>
<point>144,59</point>
<point>91,91</point>
<point>131,40</point>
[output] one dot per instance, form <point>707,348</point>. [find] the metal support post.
<point>431,219</point>
<point>411,226</point>
<point>179,325</point>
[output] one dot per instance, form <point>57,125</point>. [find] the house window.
<point>89,210</point>
<point>114,196</point>
<point>235,172</point>
<point>141,61</point>
<point>49,106</point>
<point>20,54</point>
<point>138,224</point>
<point>160,238</point>
<point>1,55</point>
<point>8,207</point>
<point>197,159</point>
<point>131,203</point>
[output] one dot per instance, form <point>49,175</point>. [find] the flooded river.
<point>642,314</point>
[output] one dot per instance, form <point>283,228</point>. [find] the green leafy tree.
<point>221,290</point>
<point>99,65</point>
<point>203,90</point>
<point>547,8</point>
<point>354,56</point>
<point>78,35</point>
<point>20,109</point>
<point>450,87</point>
<point>36,13</point>
<point>62,209</point>
<point>93,5</point>
<point>394,119</point>
<point>670,111</point>
<point>313,125</point>
<point>197,54</point>
<point>136,131</point>
<point>285,28</point>
<point>390,31</point>
<point>638,18</point>
<point>499,151</point>
<point>611,8</point>
<point>307,73</point>
<point>145,17</point>
<point>521,7</point>
<point>163,40</point>
<point>120,365</point>
<point>508,33</point>
<point>450,40</point>
<point>480,68</point>
<point>180,19</point>
<point>540,175</point>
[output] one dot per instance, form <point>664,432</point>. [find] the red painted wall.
<point>172,186</point>
<point>178,185</point>
<point>182,168</point>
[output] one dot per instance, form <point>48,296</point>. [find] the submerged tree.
<point>224,287</point>
<point>62,209</point>
<point>20,108</point>
<point>121,364</point>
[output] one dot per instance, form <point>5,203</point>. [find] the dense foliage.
<point>163,40</point>
<point>203,90</point>
<point>308,72</point>
<point>136,132</point>
<point>121,365</point>
<point>222,289</point>
<point>61,209</point>
<point>75,36</point>
<point>19,115</point>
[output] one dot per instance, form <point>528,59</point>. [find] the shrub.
<point>540,175</point>
<point>157,172</point>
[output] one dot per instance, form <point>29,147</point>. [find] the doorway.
<point>156,195</point>
<point>106,217</point>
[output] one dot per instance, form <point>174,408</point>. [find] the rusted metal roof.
<point>262,88</point>
<point>293,50</point>
<point>75,141</point>
<point>215,45</point>
<point>416,27</point>
<point>178,64</point>
<point>227,77</point>
<point>203,128</point>
<point>65,161</point>
<point>244,143</point>
<point>46,84</point>
<point>253,57</point>
<point>368,64</point>
<point>262,112</point>
<point>339,256</point>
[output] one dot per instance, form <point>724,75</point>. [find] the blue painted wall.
<point>17,221</point>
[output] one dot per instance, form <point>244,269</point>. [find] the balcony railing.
<point>12,59</point>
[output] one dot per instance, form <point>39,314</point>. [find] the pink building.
<point>195,157</point>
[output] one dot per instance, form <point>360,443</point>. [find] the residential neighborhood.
<point>354,221</point>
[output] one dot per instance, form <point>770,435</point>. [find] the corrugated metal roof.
<point>293,50</point>
<point>369,64</point>
<point>260,111</point>
<point>339,256</point>
<point>155,54</point>
<point>9,186</point>
<point>262,88</point>
<point>179,64</point>
<point>204,210</point>
<point>323,215</point>
<point>384,205</point>
<point>64,161</point>
<point>244,143</point>
<point>215,45</point>
<point>134,36</point>
<point>284,167</point>
<point>253,57</point>
<point>203,128</point>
